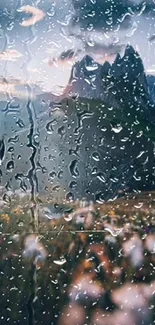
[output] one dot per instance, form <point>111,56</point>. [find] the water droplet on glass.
<point>20,123</point>
<point>49,127</point>
<point>10,149</point>
<point>96,156</point>
<point>69,196</point>
<point>113,232</point>
<point>139,205</point>
<point>74,168</point>
<point>52,174</point>
<point>117,129</point>
<point>101,177</point>
<point>61,131</point>
<point>60,262</point>
<point>10,166</point>
<point>73,185</point>
<point>14,139</point>
<point>2,150</point>
<point>68,218</point>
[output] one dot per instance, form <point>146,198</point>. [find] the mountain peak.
<point>132,62</point>
<point>88,59</point>
<point>126,74</point>
<point>106,67</point>
<point>129,50</point>
<point>117,59</point>
<point>83,68</point>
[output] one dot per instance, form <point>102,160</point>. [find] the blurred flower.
<point>87,264</point>
<point>89,220</point>
<point>133,248</point>
<point>118,317</point>
<point>150,243</point>
<point>17,210</point>
<point>34,250</point>
<point>15,238</point>
<point>111,212</point>
<point>73,314</point>
<point>85,290</point>
<point>5,217</point>
<point>132,295</point>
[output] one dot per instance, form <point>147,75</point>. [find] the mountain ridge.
<point>87,74</point>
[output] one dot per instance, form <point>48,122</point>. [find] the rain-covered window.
<point>77,162</point>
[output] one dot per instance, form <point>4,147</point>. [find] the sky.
<point>41,40</point>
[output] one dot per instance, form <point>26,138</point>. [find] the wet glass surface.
<point>77,166</point>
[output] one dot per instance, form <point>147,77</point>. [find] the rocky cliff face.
<point>120,84</point>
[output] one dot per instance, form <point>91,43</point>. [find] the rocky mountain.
<point>121,83</point>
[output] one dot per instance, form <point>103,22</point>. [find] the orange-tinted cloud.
<point>10,55</point>
<point>101,59</point>
<point>36,13</point>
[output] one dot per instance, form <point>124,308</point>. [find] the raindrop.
<point>73,185</point>
<point>99,197</point>
<point>69,196</point>
<point>139,205</point>
<point>20,123</point>
<point>61,131</point>
<point>10,149</point>
<point>14,139</point>
<point>113,232</point>
<point>137,178</point>
<point>56,188</point>
<point>6,198</point>
<point>10,166</point>
<point>2,150</point>
<point>94,171</point>
<point>46,213</point>
<point>60,262</point>
<point>68,218</point>
<point>140,154</point>
<point>49,127</point>
<point>51,13</point>
<point>74,169</point>
<point>53,174</point>
<point>96,156</point>
<point>101,177</point>
<point>60,174</point>
<point>92,68</point>
<point>133,29</point>
<point>117,129</point>
<point>142,9</point>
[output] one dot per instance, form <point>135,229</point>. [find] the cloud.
<point>10,55</point>
<point>103,49</point>
<point>66,56</point>
<point>105,19</point>
<point>69,54</point>
<point>101,14</point>
<point>108,15</point>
